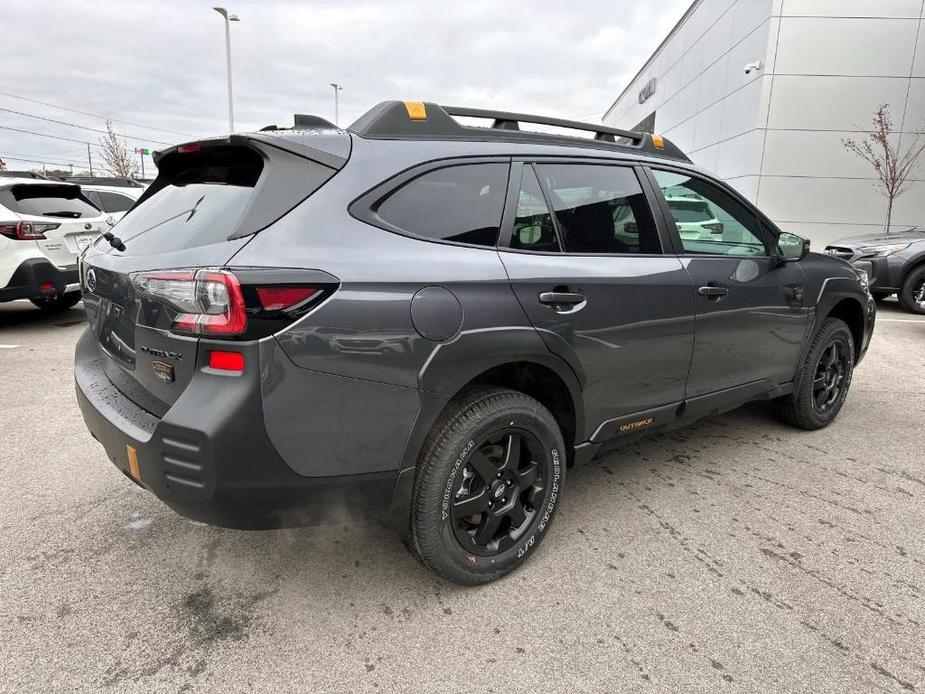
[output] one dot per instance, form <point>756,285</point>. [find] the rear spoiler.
<point>280,139</point>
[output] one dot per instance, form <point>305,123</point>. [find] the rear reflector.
<point>47,287</point>
<point>279,298</point>
<point>226,361</point>
<point>132,456</point>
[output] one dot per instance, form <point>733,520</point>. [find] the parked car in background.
<point>112,194</point>
<point>114,201</point>
<point>895,264</point>
<point>694,217</point>
<point>44,225</point>
<point>432,322</point>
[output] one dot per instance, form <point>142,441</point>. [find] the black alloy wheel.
<point>487,486</point>
<point>500,486</point>
<point>831,370</point>
<point>822,382</point>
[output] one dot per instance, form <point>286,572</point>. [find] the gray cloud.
<point>162,63</point>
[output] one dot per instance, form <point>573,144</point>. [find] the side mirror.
<point>791,247</point>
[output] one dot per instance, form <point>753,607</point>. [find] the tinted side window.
<point>709,220</point>
<point>459,203</point>
<point>533,227</point>
<point>114,202</point>
<point>600,209</point>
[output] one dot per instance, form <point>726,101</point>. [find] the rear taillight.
<point>248,305</point>
<point>208,302</point>
<point>26,231</point>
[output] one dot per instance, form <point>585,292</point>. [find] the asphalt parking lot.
<point>737,555</point>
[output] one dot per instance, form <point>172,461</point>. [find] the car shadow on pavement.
<point>22,314</point>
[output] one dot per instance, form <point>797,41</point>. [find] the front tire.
<point>487,486</point>
<point>912,294</point>
<point>57,302</point>
<point>822,383</point>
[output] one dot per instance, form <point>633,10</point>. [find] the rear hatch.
<point>63,219</point>
<point>207,202</point>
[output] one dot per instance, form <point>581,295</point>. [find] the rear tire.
<point>823,380</point>
<point>487,486</point>
<point>56,303</point>
<point>912,294</point>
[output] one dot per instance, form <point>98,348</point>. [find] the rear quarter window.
<point>462,203</point>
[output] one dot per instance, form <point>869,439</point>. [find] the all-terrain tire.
<point>912,294</point>
<point>823,380</point>
<point>450,469</point>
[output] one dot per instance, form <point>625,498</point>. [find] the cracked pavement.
<point>737,555</point>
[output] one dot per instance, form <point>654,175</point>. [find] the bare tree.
<point>116,155</point>
<point>893,162</point>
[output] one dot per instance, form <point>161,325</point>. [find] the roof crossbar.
<point>505,120</point>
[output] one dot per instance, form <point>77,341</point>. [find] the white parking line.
<point>8,346</point>
<point>899,320</point>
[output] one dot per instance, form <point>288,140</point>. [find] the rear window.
<point>64,201</point>
<point>462,204</point>
<point>216,194</point>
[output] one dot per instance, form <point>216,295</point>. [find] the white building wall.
<point>836,62</point>
<point>776,133</point>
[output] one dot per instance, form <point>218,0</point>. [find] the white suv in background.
<point>44,225</point>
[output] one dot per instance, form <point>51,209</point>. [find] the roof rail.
<point>23,174</point>
<point>114,181</point>
<point>429,121</point>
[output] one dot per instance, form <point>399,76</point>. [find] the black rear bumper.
<point>209,457</point>
<point>28,279</point>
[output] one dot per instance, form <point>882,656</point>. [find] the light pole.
<point>228,19</point>
<point>337,88</point>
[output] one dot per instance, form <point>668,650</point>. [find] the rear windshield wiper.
<point>114,240</point>
<point>62,213</point>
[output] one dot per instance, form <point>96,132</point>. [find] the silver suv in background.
<point>895,264</point>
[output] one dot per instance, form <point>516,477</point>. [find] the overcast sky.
<point>162,64</point>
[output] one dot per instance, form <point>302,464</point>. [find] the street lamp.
<point>228,18</point>
<point>337,88</point>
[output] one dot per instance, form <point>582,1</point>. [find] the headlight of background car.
<point>881,251</point>
<point>863,279</point>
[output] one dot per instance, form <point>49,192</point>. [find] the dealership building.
<point>762,92</point>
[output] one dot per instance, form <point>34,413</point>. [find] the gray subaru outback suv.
<point>432,322</point>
